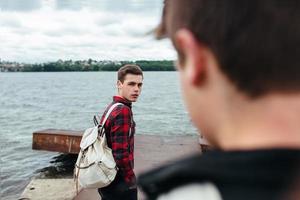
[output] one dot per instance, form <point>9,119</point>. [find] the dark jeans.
<point>118,190</point>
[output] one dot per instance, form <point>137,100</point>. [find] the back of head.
<point>256,42</point>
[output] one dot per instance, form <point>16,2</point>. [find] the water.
<point>68,100</point>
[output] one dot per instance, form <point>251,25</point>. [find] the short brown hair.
<point>256,42</point>
<point>129,69</point>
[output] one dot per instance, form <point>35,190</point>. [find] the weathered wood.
<point>68,141</point>
<point>65,141</point>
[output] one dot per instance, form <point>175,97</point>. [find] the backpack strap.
<point>109,111</point>
<point>101,125</point>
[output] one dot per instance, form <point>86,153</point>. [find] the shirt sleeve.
<point>120,143</point>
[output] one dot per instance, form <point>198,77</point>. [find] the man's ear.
<point>119,84</point>
<point>191,56</point>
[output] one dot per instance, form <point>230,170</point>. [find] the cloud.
<point>19,5</point>
<point>49,34</point>
<point>10,22</point>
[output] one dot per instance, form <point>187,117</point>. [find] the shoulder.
<point>196,191</point>
<point>189,176</point>
<point>121,110</point>
<point>122,106</point>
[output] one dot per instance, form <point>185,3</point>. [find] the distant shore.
<point>85,65</point>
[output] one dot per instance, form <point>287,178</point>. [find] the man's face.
<point>131,87</point>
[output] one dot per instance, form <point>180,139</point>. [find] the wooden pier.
<point>64,141</point>
<point>150,151</point>
<point>68,141</point>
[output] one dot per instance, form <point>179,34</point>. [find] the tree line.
<point>88,65</point>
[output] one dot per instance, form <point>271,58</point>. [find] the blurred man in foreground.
<point>239,70</point>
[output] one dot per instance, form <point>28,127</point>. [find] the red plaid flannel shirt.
<point>119,140</point>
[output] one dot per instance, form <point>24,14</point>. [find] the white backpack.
<point>95,166</point>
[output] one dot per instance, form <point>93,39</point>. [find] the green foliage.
<point>156,65</point>
<point>92,65</point>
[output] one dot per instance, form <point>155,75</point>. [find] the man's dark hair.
<point>129,69</point>
<point>256,42</point>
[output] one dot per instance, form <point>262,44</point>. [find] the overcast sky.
<point>47,30</point>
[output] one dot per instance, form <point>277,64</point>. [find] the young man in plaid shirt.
<point>120,130</point>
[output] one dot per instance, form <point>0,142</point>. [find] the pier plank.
<point>64,141</point>
<point>68,141</point>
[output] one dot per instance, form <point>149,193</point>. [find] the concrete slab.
<point>150,152</point>
<point>49,189</point>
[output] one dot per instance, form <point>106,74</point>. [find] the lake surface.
<point>68,100</point>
